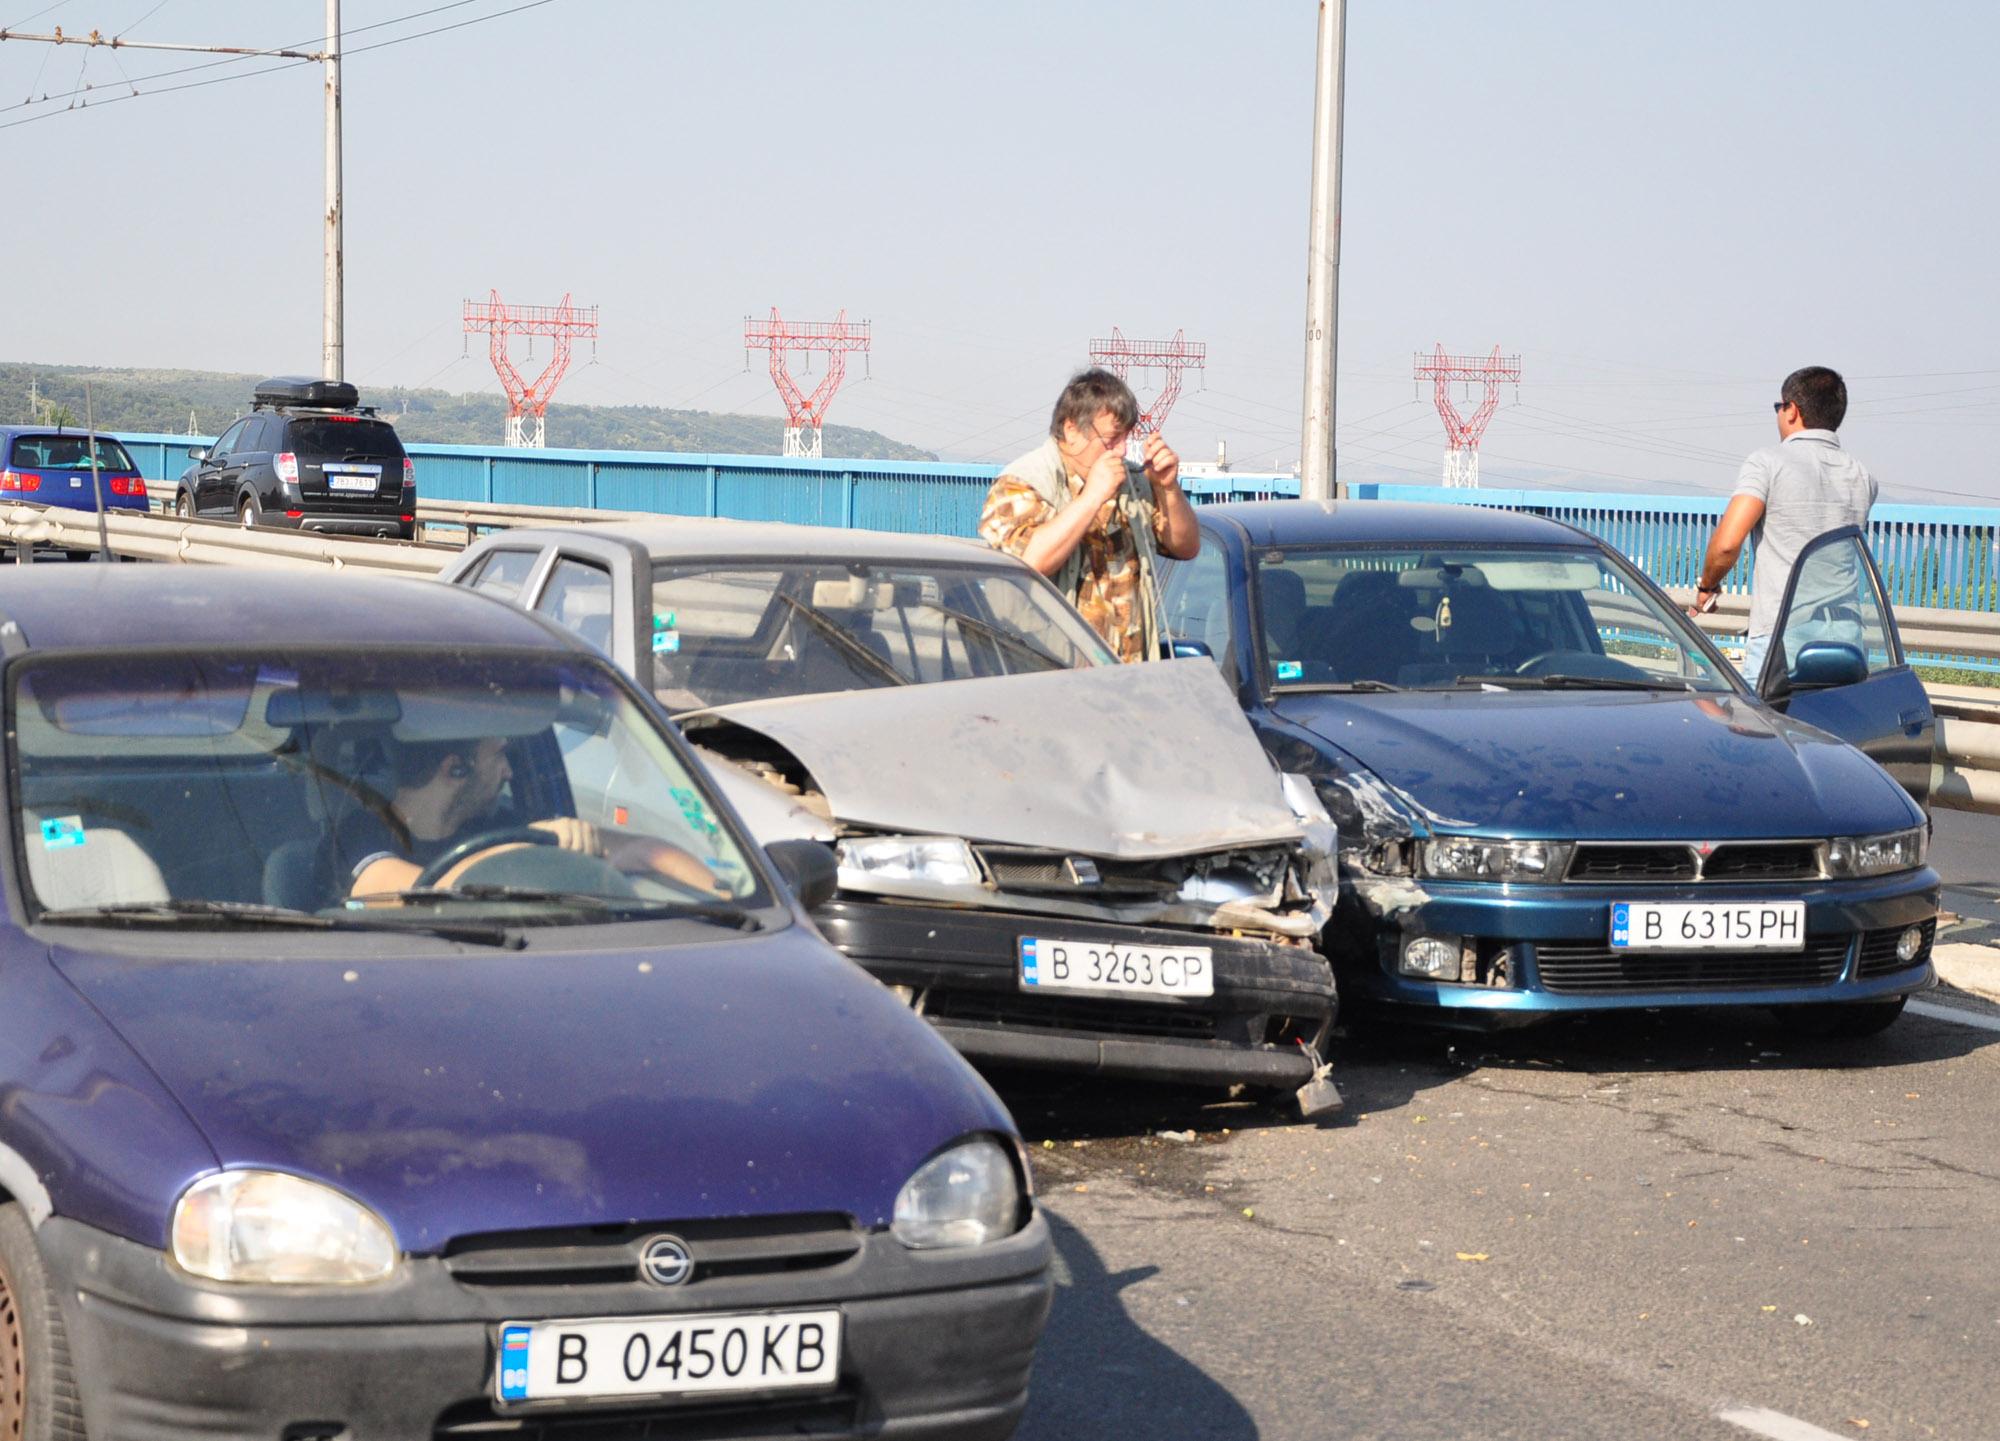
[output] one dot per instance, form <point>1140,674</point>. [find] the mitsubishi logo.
<point>665,1261</point>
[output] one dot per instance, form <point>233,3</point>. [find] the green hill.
<point>170,400</point>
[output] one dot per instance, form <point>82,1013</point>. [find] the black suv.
<point>310,456</point>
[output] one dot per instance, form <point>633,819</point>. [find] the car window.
<point>264,433</point>
<point>578,598</point>
<point>734,631</point>
<point>69,452</point>
<point>341,437</point>
<point>231,438</point>
<point>1452,616</point>
<point>1196,602</point>
<point>298,767</point>
<point>1834,599</point>
<point>503,573</point>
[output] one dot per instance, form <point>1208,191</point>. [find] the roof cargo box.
<point>298,390</point>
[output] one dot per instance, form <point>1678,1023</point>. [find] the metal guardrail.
<point>1967,775</point>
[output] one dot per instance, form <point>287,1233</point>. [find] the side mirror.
<point>808,868</point>
<point>197,452</point>
<point>1824,664</point>
<point>1174,648</point>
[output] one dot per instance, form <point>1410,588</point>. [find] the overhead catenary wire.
<point>347,52</point>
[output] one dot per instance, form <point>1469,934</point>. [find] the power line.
<point>348,51</point>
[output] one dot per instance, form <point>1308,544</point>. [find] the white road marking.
<point>1957,1015</point>
<point>1775,1425</point>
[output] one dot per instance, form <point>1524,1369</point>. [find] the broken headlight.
<point>1472,858</point>
<point>933,860</point>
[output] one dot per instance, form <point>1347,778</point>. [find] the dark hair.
<point>1820,394</point>
<point>418,762</point>
<point>1088,395</point>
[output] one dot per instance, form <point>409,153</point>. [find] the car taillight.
<point>409,474</point>
<point>127,485</point>
<point>19,480</point>
<point>287,466</point>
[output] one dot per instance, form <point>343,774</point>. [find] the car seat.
<point>299,874</point>
<point>1368,634</point>
<point>1471,628</point>
<point>88,867</point>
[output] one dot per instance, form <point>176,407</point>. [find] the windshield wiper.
<point>1573,682</point>
<point>834,631</point>
<point>622,907</point>
<point>1316,686</point>
<point>250,913</point>
<point>1020,645</point>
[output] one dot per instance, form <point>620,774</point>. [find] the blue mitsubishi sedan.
<point>1554,793</point>
<point>401,1039</point>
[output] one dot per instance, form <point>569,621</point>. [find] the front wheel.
<point>38,1396</point>
<point>184,506</point>
<point>1838,1022</point>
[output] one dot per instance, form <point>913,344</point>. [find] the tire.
<point>246,513</point>
<point>1843,1022</point>
<point>184,505</point>
<point>38,1392</point>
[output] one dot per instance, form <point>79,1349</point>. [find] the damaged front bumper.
<point>1264,1025</point>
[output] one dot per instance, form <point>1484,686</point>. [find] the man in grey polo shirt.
<point>1787,495</point>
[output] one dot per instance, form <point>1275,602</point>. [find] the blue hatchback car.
<point>1554,793</point>
<point>51,466</point>
<point>402,1039</point>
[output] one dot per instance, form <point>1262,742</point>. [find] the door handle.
<point>1912,721</point>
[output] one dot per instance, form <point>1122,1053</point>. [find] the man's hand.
<point>1704,600</point>
<point>1163,467</point>
<point>573,835</point>
<point>1104,479</point>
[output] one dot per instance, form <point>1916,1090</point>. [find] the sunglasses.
<point>1779,405</point>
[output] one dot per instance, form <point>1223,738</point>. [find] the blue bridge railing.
<point>1947,556</point>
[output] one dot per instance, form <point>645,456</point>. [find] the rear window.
<point>342,438</point>
<point>68,452</point>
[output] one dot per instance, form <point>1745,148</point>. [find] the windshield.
<point>69,452</point>
<point>399,787</point>
<point>1369,618</point>
<point>727,631</point>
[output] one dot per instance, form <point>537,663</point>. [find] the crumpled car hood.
<point>1127,762</point>
<point>1608,765</point>
<point>556,1086</point>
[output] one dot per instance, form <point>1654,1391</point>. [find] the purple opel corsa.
<point>402,1039</point>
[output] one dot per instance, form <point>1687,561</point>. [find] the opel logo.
<point>665,1261</point>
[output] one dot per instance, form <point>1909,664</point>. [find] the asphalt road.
<point>1673,1227</point>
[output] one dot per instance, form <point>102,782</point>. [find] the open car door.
<point>1836,661</point>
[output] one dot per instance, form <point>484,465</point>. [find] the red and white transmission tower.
<point>1120,356</point>
<point>1461,436</point>
<point>564,324</point>
<point>834,338</point>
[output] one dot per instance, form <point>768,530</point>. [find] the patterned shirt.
<point>1107,583</point>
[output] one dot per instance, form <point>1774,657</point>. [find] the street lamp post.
<point>1317,478</point>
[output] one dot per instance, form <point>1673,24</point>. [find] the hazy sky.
<point>1662,208</point>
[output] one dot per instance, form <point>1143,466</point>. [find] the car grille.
<point>1666,861</point>
<point>609,1255</point>
<point>1632,863</point>
<point>1576,969</point>
<point>836,1414</point>
<point>1878,951</point>
<point>1119,1018</point>
<point>1017,868</point>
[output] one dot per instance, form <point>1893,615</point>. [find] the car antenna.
<point>96,481</point>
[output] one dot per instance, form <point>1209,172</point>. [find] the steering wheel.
<point>485,841</point>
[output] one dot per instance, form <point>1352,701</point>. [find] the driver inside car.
<point>447,793</point>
